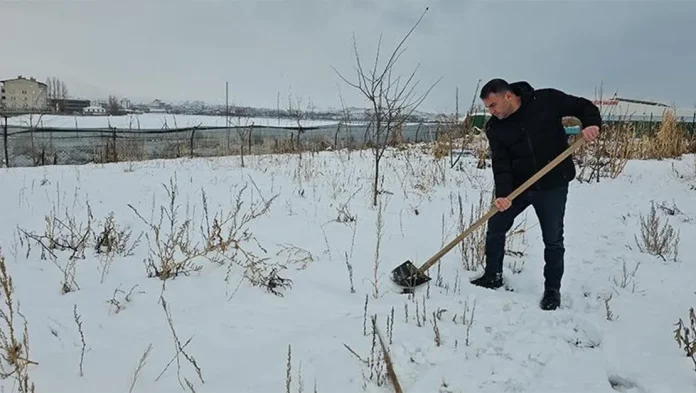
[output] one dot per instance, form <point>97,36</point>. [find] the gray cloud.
<point>182,49</point>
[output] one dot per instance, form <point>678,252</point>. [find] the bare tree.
<point>345,118</point>
<point>35,112</point>
<point>57,90</point>
<point>244,132</point>
<point>113,107</point>
<point>392,100</point>
<point>296,113</point>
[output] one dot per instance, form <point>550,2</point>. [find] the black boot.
<point>490,281</point>
<point>551,299</point>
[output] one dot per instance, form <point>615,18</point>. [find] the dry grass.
<point>14,346</point>
<point>670,140</point>
<point>685,336</point>
<point>472,248</point>
<point>179,350</point>
<point>224,239</point>
<point>622,141</point>
<point>378,362</point>
<point>139,367</point>
<point>62,234</point>
<point>657,237</point>
<point>66,238</point>
<point>608,155</point>
<point>112,241</point>
<point>379,225</point>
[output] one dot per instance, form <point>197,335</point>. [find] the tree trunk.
<point>375,185</point>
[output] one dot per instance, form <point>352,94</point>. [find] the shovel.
<point>408,276</point>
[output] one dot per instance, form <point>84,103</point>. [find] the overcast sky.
<point>186,49</point>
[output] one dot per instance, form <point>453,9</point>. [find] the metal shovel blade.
<point>407,275</point>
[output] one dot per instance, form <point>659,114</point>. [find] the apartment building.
<point>23,94</point>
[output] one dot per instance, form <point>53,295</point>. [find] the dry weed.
<point>379,371</point>
<point>472,248</point>
<point>670,141</point>
<point>120,305</point>
<point>78,321</point>
<point>658,238</point>
<point>379,227</point>
<point>621,141</point>
<point>224,239</point>
<point>627,279</point>
<point>610,316</point>
<point>140,366</point>
<point>685,336</point>
<point>300,378</point>
<point>179,349</point>
<point>113,241</point>
<point>14,346</point>
<point>608,155</point>
<point>65,234</point>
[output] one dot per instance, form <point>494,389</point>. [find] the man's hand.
<point>590,133</point>
<point>502,204</point>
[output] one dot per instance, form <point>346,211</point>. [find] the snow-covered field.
<point>150,121</point>
<point>449,337</point>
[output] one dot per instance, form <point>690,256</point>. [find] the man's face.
<point>499,104</point>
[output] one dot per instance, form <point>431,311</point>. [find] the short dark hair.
<point>495,86</point>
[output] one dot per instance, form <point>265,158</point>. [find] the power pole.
<point>456,114</point>
<point>4,136</point>
<point>227,113</point>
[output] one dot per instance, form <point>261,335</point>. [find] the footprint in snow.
<point>624,385</point>
<point>586,335</point>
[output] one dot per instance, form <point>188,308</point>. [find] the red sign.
<point>605,102</point>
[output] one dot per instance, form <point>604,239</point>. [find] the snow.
<point>491,341</point>
<point>156,121</point>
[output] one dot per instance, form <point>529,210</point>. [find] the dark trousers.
<point>549,206</point>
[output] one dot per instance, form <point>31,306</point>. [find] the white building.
<point>24,94</point>
<point>617,108</point>
<point>94,110</point>
<point>125,103</point>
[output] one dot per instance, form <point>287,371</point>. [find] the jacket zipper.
<point>529,143</point>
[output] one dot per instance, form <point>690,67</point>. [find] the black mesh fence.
<point>21,146</point>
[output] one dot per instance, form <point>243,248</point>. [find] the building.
<point>24,94</point>
<point>69,106</point>
<point>94,110</point>
<point>157,106</point>
<point>125,104</point>
<point>621,108</point>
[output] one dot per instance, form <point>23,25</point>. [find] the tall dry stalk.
<point>670,141</point>
<point>472,248</point>
<point>380,230</point>
<point>609,154</point>
<point>657,237</point>
<point>14,349</point>
<point>685,336</point>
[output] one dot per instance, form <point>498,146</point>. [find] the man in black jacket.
<point>525,133</point>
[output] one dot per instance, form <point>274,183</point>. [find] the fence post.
<point>4,136</point>
<point>113,139</point>
<point>193,133</point>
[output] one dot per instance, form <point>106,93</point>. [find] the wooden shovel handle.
<point>519,190</point>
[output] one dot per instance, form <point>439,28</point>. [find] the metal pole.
<point>7,155</point>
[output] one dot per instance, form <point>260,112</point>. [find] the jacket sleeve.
<point>502,166</point>
<point>579,107</point>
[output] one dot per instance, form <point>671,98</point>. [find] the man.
<point>525,133</point>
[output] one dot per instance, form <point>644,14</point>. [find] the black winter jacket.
<point>533,136</point>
